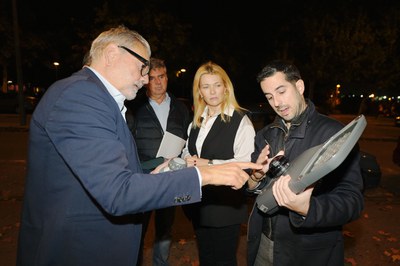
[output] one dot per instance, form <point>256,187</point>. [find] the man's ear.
<point>300,86</point>
<point>110,53</point>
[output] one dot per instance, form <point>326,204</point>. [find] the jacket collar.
<point>299,124</point>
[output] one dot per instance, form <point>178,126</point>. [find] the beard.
<point>132,93</point>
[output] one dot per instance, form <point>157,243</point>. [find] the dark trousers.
<point>217,245</point>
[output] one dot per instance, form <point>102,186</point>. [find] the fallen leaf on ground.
<point>387,208</point>
<point>392,239</point>
<point>182,242</point>
<point>352,261</point>
<point>376,238</point>
<point>348,233</point>
<point>396,258</point>
<point>381,232</point>
<point>394,250</point>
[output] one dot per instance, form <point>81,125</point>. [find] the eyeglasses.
<point>146,65</point>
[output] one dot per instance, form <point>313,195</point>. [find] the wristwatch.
<point>210,162</point>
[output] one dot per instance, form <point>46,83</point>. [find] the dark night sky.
<point>211,20</point>
<point>249,25</point>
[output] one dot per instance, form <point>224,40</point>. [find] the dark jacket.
<point>220,205</point>
<point>337,198</point>
<point>84,181</point>
<point>147,129</point>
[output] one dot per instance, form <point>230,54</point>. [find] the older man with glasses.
<point>84,184</point>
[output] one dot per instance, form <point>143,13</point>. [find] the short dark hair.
<point>156,63</point>
<point>292,73</point>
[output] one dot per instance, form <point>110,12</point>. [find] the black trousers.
<point>217,245</point>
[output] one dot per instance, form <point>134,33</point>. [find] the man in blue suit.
<point>85,187</point>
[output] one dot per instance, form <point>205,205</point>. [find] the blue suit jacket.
<point>84,182</point>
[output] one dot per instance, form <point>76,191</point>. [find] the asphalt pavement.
<point>373,239</point>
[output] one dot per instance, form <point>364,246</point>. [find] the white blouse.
<point>244,140</point>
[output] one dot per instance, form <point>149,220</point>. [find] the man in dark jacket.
<point>160,112</point>
<point>307,228</point>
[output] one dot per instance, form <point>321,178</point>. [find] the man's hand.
<point>257,175</point>
<point>285,197</point>
<point>161,166</point>
<point>228,174</point>
<point>263,159</point>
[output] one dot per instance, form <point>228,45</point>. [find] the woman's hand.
<point>195,161</point>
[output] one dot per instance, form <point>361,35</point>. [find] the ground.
<point>373,239</point>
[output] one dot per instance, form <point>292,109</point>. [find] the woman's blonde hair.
<point>198,102</point>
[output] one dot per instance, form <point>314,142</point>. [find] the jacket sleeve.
<point>337,198</point>
<point>89,133</point>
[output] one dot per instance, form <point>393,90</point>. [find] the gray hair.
<point>120,35</point>
<point>157,63</point>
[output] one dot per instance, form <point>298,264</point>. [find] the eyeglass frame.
<point>145,62</point>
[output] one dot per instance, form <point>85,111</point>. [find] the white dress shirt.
<point>115,93</point>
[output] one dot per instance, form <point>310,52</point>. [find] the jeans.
<point>163,221</point>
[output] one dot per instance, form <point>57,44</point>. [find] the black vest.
<point>147,129</point>
<point>220,205</point>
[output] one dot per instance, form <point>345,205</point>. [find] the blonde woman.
<point>220,132</point>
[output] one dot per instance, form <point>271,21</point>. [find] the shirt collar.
<point>167,99</point>
<point>227,111</point>
<point>115,93</point>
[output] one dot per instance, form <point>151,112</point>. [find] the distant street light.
<point>180,72</point>
<point>337,92</point>
<point>56,64</point>
<point>337,88</point>
<point>181,80</point>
